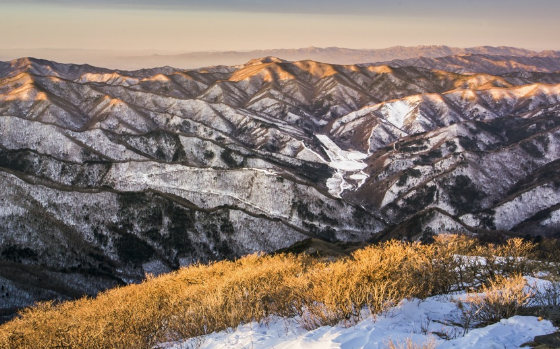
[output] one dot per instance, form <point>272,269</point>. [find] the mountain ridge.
<point>336,55</point>
<point>191,60</point>
<point>492,64</point>
<point>109,175</point>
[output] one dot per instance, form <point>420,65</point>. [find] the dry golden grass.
<point>410,344</point>
<point>501,299</point>
<point>202,299</point>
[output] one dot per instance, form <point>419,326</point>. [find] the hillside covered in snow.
<point>109,175</point>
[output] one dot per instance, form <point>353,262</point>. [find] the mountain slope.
<point>108,175</point>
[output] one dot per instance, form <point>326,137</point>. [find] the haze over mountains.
<point>108,175</point>
<point>189,60</point>
<point>546,61</point>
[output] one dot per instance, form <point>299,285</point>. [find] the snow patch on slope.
<point>397,112</point>
<point>348,166</point>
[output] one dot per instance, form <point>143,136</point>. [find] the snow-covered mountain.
<point>108,175</point>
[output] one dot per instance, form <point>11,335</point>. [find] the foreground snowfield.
<point>414,320</point>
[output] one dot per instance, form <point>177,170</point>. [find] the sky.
<point>187,25</point>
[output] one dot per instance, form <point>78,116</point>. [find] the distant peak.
<point>27,61</point>
<point>549,54</point>
<point>263,60</point>
<point>24,61</point>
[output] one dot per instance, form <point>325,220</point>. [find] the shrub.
<point>548,256</point>
<point>202,299</point>
<point>501,299</point>
<point>548,295</point>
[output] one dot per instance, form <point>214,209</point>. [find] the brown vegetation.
<point>409,344</point>
<point>501,299</point>
<point>201,299</point>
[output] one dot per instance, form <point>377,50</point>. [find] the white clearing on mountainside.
<point>348,166</point>
<point>398,111</point>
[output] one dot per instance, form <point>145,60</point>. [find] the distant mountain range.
<point>189,60</point>
<point>546,61</point>
<point>108,175</point>
<point>333,55</point>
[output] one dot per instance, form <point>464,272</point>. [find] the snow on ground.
<point>348,165</point>
<point>412,319</point>
<point>398,111</point>
<point>508,333</point>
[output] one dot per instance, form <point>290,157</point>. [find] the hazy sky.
<point>188,25</point>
